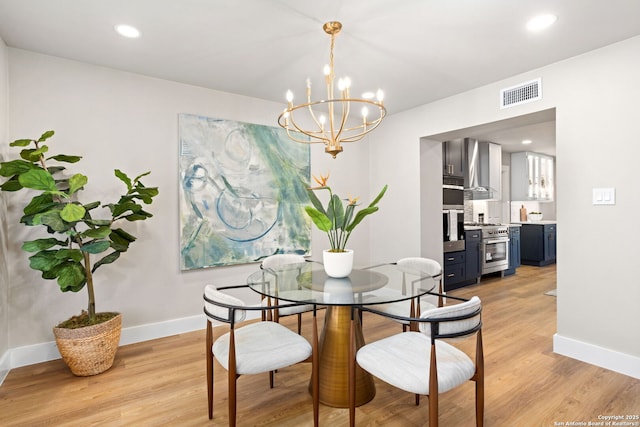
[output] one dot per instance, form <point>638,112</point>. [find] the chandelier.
<point>328,120</point>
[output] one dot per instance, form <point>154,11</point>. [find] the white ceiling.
<point>417,51</point>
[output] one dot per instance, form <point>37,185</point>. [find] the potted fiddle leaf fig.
<point>84,237</point>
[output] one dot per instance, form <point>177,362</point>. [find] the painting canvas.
<point>242,192</point>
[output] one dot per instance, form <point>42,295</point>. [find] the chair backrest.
<point>420,266</point>
<point>453,321</point>
<point>219,306</point>
<point>278,260</point>
<point>423,272</point>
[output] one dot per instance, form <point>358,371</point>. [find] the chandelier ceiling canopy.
<point>327,121</point>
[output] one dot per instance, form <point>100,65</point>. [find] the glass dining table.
<point>308,283</point>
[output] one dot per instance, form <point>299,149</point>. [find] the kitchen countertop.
<point>543,222</point>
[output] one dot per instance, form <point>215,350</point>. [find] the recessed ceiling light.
<point>541,22</point>
<point>526,141</point>
<point>127,31</point>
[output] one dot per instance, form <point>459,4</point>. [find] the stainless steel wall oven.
<point>452,192</point>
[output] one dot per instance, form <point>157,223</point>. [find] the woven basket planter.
<point>89,350</point>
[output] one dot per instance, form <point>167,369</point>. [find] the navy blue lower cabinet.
<point>514,250</point>
<point>473,256</point>
<point>538,244</point>
<point>454,270</point>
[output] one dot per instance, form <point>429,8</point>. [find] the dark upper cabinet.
<point>453,157</point>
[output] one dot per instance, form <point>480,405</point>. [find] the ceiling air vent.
<point>521,94</point>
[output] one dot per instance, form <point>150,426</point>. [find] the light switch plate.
<point>604,196</point>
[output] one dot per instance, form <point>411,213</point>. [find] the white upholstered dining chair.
<point>417,272</point>
<point>275,262</point>
<point>252,348</point>
<point>422,362</point>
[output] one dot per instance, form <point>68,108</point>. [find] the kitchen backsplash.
<point>548,210</point>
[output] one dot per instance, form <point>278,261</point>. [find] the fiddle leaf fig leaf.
<point>15,167</point>
<point>120,236</point>
<point>124,178</point>
<point>11,185</point>
<point>21,142</point>
<point>138,216</point>
<point>76,182</point>
<point>44,260</point>
<point>70,254</point>
<point>33,154</point>
<point>48,134</point>
<point>71,277</point>
<point>106,260</point>
<point>97,233</point>
<point>40,204</point>
<point>137,178</point>
<point>65,158</point>
<point>52,220</point>
<point>96,247</point>
<point>120,208</point>
<point>147,193</point>
<point>72,212</point>
<point>38,179</point>
<point>42,244</point>
<point>91,205</point>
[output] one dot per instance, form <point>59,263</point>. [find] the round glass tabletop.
<point>307,282</point>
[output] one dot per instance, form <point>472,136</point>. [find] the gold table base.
<point>334,361</point>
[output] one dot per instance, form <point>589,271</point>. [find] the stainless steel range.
<point>495,247</point>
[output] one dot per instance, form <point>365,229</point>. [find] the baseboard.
<point>598,356</point>
<point>4,366</point>
<point>44,352</point>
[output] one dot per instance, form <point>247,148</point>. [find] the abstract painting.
<point>242,192</point>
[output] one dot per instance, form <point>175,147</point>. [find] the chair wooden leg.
<point>271,378</point>
<point>433,389</point>
<point>299,323</point>
<point>209,343</point>
<point>232,401</point>
<point>479,381</point>
<point>417,399</point>
<point>232,379</point>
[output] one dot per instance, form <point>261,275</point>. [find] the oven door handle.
<point>489,242</point>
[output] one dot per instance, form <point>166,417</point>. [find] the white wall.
<point>126,121</point>
<point>122,120</point>
<point>595,96</point>
<point>4,278</point>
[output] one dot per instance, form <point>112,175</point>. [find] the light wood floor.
<point>162,382</point>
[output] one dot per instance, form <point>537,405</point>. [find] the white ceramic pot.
<point>337,264</point>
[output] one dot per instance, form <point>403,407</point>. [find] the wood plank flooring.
<point>162,382</point>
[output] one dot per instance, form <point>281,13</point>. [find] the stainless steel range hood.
<point>483,169</point>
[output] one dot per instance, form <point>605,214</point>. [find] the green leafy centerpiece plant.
<point>338,221</point>
<point>78,233</point>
